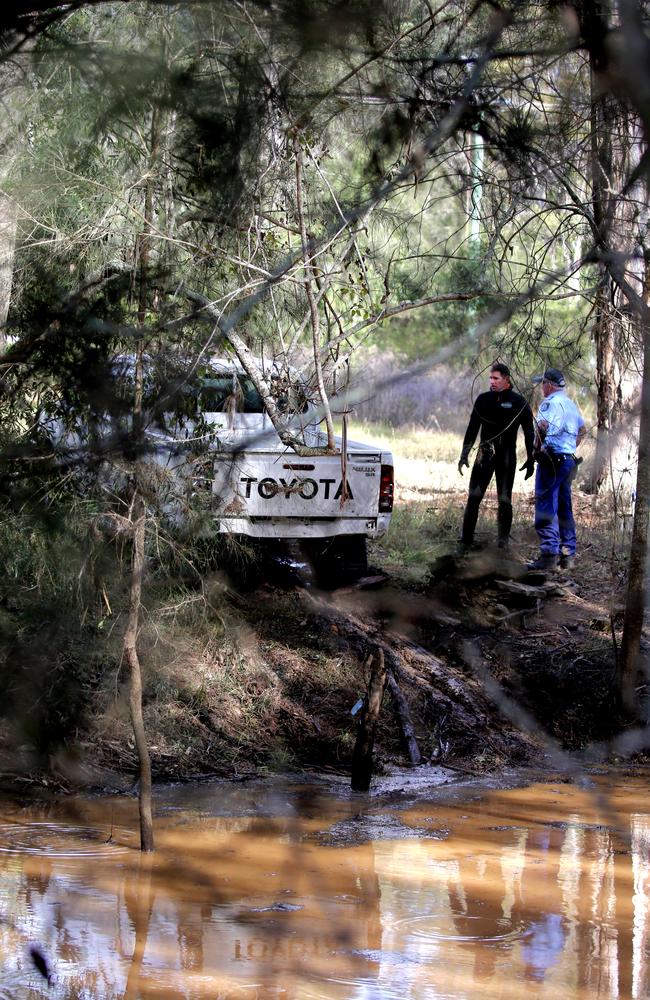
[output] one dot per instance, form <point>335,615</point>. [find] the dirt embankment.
<point>497,667</point>
<point>489,665</point>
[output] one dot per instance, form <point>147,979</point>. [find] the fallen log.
<point>366,632</point>
<point>405,720</point>
<point>448,692</point>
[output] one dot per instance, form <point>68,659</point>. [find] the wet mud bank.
<point>545,645</point>
<point>516,661</point>
<point>494,667</point>
<point>500,668</point>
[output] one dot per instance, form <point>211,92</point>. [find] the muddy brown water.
<point>288,888</point>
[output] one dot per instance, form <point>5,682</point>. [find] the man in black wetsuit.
<point>498,414</point>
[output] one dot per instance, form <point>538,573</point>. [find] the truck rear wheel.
<point>336,561</point>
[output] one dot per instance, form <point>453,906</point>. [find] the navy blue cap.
<point>552,375</point>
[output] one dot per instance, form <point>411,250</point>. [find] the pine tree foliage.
<point>296,179</point>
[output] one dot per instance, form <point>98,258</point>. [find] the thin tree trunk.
<point>138,519</point>
<point>313,307</point>
<point>607,407</point>
<point>8,228</point>
<point>135,675</point>
<point>144,243</point>
<point>630,662</point>
<point>607,168</point>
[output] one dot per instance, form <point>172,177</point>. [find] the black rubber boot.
<point>545,561</point>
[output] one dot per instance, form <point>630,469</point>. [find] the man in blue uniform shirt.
<point>560,429</point>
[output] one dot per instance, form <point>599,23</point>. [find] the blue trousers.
<point>554,522</point>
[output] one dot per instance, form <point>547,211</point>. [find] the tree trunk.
<point>362,759</point>
<point>617,220</point>
<point>138,517</point>
<point>8,227</point>
<point>631,664</point>
<point>608,393</point>
<point>610,328</point>
<point>144,241</point>
<point>135,675</point>
<point>309,289</point>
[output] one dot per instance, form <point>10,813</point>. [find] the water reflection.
<point>544,888</point>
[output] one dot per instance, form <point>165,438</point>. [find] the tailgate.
<point>285,485</point>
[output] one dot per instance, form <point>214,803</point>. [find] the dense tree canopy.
<point>295,180</point>
<point>444,156</point>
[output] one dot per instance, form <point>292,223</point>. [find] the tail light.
<point>386,489</point>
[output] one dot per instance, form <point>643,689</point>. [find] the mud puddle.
<point>298,888</point>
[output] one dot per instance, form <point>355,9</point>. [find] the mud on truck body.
<point>330,503</point>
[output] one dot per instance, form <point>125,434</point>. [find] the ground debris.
<point>529,590</point>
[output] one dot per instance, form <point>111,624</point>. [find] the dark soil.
<point>542,640</point>
<point>499,666</point>
<point>490,667</point>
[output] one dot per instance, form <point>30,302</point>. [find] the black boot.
<point>545,561</point>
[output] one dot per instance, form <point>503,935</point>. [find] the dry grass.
<point>410,442</point>
<point>430,497</point>
<point>218,697</point>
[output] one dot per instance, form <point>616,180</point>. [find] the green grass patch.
<point>411,442</point>
<point>419,533</point>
